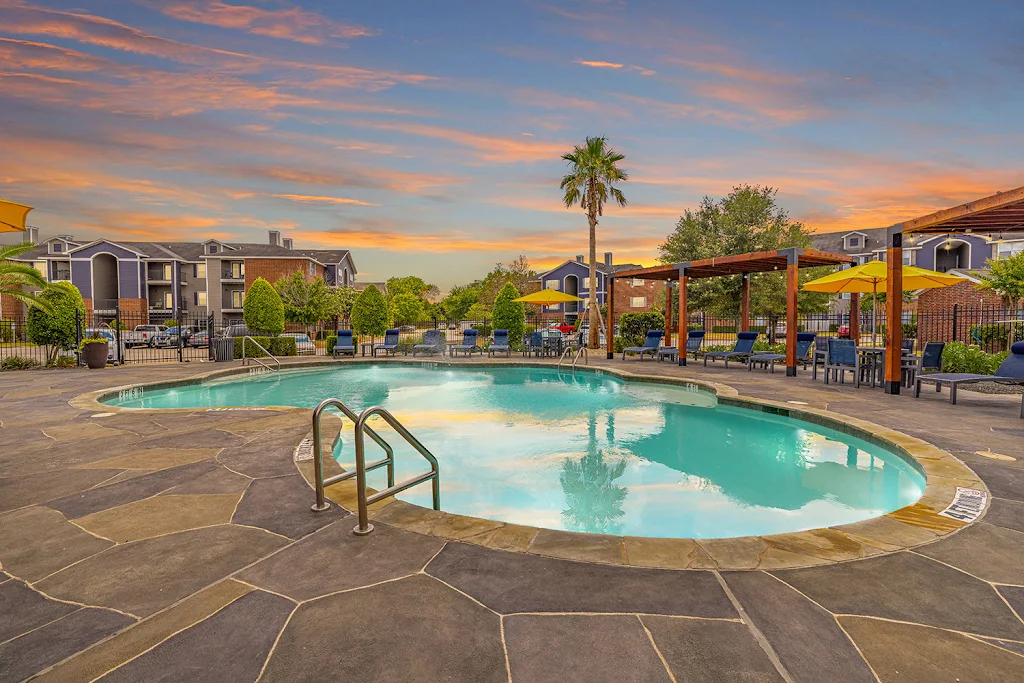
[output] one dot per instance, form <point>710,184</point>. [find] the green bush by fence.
<point>277,346</point>
<point>960,357</point>
<point>633,327</point>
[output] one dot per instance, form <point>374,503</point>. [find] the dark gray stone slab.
<point>137,488</point>
<point>37,541</point>
<point>1015,596</point>
<point>513,582</point>
<point>909,652</point>
<point>989,552</point>
<point>909,587</point>
<point>581,649</point>
<point>336,559</point>
<point>58,640</point>
<point>702,651</point>
<point>263,456</point>
<point>197,438</point>
<point>420,631</point>
<point>31,489</point>
<point>1008,514</point>
<point>1007,644</point>
<point>220,480</point>
<point>805,637</point>
<point>229,646</point>
<point>24,609</point>
<point>282,505</point>
<point>145,576</point>
<point>1003,482</point>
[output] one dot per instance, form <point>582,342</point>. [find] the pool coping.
<point>908,527</point>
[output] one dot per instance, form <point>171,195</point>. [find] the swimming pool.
<point>590,452</point>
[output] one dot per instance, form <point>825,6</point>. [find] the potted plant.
<point>95,350</point>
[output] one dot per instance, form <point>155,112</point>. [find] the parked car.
<point>108,334</point>
<point>302,342</point>
<point>236,330</point>
<point>143,335</point>
<point>562,327</point>
<point>199,340</point>
<point>407,328</point>
<point>186,334</point>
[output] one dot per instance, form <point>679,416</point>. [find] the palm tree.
<point>592,171</point>
<point>15,275</point>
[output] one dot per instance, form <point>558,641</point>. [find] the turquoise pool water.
<point>590,452</point>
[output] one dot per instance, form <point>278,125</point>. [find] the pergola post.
<point>610,327</point>
<point>745,303</point>
<point>668,313</point>
<point>894,310</point>
<point>684,314</point>
<point>855,316</point>
<point>792,280</point>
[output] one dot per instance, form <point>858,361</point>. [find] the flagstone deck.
<point>179,546</point>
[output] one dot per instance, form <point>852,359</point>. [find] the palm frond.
<point>9,251</point>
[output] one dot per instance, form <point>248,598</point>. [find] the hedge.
<point>277,346</point>
<point>959,357</point>
<point>262,309</point>
<point>633,327</point>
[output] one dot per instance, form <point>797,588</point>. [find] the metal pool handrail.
<point>260,347</point>
<point>318,459</point>
<point>582,351</point>
<point>568,350</point>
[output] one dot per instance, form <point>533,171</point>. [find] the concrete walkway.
<point>180,547</point>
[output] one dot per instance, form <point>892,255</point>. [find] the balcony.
<point>61,275</point>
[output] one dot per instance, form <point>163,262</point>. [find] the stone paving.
<point>179,546</point>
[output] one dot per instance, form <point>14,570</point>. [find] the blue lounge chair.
<point>468,345</point>
<point>1010,372</point>
<point>500,344</point>
<point>842,357</point>
<point>344,344</point>
<point>743,348</point>
<point>694,341</point>
<point>930,359</point>
<point>650,346</point>
<point>433,342</point>
<point>535,345</point>
<point>804,340</point>
<point>390,344</point>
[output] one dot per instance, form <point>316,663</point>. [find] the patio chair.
<point>743,348</point>
<point>534,345</point>
<point>804,340</point>
<point>433,342</point>
<point>344,344</point>
<point>841,357</point>
<point>500,344</point>
<point>390,344</point>
<point>468,345</point>
<point>651,343</point>
<point>930,359</point>
<point>1010,372</point>
<point>694,340</point>
<point>908,345</point>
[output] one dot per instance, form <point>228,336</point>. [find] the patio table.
<point>364,347</point>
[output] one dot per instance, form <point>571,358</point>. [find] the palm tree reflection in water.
<point>593,500</point>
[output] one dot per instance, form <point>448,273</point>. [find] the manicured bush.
<point>57,328</point>
<point>723,329</point>
<point>262,309</point>
<point>63,362</point>
<point>370,313</point>
<point>960,357</point>
<point>510,315</point>
<point>18,363</point>
<point>277,346</point>
<point>484,329</point>
<point>332,341</point>
<point>633,327</point>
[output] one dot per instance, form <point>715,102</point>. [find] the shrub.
<point>510,315</point>
<point>370,313</point>
<point>633,327</point>
<point>6,331</point>
<point>332,341</point>
<point>960,357</point>
<point>277,346</point>
<point>984,334</point>
<point>57,328</point>
<point>18,363</point>
<point>620,344</point>
<point>262,309</point>
<point>723,329</point>
<point>485,330</point>
<point>63,362</point>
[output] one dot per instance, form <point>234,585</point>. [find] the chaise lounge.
<point>500,344</point>
<point>742,350</point>
<point>433,342</point>
<point>344,344</point>
<point>804,340</point>
<point>1010,372</point>
<point>390,345</point>
<point>651,343</point>
<point>468,345</point>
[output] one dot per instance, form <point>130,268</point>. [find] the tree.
<point>517,272</point>
<point>407,308</point>
<point>592,170</point>
<point>263,310</point>
<point>747,220</point>
<point>510,314</point>
<point>459,300</point>
<point>55,326</point>
<point>1005,278</point>
<point>341,301</point>
<point>370,313</point>
<point>306,300</point>
<point>13,276</point>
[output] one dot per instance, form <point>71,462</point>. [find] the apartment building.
<point>573,277</point>
<point>151,280</point>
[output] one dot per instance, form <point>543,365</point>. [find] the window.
<point>586,283</point>
<point>554,307</point>
<point>199,270</point>
<point>213,248</point>
<point>58,247</point>
<point>167,271</point>
<point>636,282</point>
<point>200,298</point>
<point>907,257</point>
<point>552,284</point>
<point>852,242</point>
<point>312,268</point>
<point>1008,249</point>
<point>168,300</point>
<point>638,302</point>
<point>238,269</point>
<point>237,298</point>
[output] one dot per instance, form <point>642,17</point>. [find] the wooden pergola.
<point>787,260</point>
<point>1001,213</point>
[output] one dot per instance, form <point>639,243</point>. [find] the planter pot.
<point>95,355</point>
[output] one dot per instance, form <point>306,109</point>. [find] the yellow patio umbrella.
<point>12,216</point>
<point>548,297</point>
<point>867,277</point>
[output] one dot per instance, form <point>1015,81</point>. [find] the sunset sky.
<point>426,136</point>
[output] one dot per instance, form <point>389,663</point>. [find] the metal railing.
<point>576,354</point>
<point>361,428</point>
<point>245,360</point>
<point>566,352</point>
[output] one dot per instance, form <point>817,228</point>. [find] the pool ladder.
<point>576,354</point>
<point>361,428</point>
<point>245,361</point>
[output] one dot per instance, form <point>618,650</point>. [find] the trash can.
<point>223,349</point>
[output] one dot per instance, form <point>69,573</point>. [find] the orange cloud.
<point>740,73</point>
<point>597,64</point>
<point>488,148</point>
<point>317,199</point>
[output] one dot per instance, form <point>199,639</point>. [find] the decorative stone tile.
<point>665,553</point>
<point>420,631</point>
<point>282,505</point>
<point>581,648</point>
<point>909,652</point>
<point>1008,514</point>
<point>886,532</point>
<point>36,542</point>
<point>828,544</point>
<point>153,458</point>
<point>80,431</point>
<point>25,609</point>
<point>407,516</point>
<point>33,489</point>
<point>1015,596</point>
<point>461,527</point>
<point>989,552</point>
<point>576,546</point>
<point>145,576</point>
<point>159,515</point>
<point>264,458</point>
<point>220,480</point>
<point>735,553</point>
<point>512,537</point>
<point>514,582</point>
<point>923,516</point>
